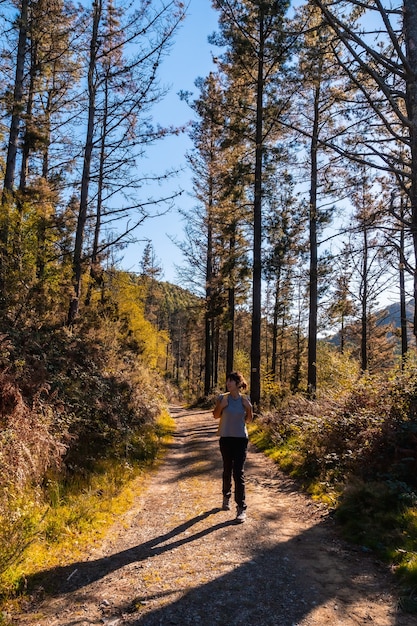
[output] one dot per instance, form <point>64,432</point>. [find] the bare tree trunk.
<point>410,32</point>
<point>313,295</point>
<point>281,350</point>
<point>275,327</point>
<point>17,101</point>
<point>296,378</point>
<point>230,350</point>
<point>216,354</point>
<point>364,302</point>
<point>230,354</point>
<point>403,308</point>
<point>85,181</point>
<point>94,275</point>
<point>208,354</point>
<point>28,118</point>
<point>13,146</point>
<point>47,135</point>
<point>342,335</point>
<point>208,369</point>
<point>255,378</point>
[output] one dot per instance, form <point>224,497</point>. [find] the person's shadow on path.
<point>78,575</point>
<point>251,598</point>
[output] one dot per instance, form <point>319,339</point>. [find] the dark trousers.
<point>233,450</point>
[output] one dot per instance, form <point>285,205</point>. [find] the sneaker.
<point>226,504</point>
<point>240,515</point>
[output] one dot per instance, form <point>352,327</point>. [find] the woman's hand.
<point>220,405</point>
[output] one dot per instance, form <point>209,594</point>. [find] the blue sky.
<point>189,58</point>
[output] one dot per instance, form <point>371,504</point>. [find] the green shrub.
<point>357,451</point>
<point>53,527</point>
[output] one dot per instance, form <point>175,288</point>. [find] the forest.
<point>301,243</point>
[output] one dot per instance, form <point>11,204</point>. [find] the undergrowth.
<point>357,451</point>
<point>72,516</point>
<point>81,416</point>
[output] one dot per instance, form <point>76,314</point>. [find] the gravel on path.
<point>177,558</point>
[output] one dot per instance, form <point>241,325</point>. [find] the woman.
<point>234,410</point>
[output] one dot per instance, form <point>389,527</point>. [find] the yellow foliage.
<point>151,342</point>
<point>242,363</point>
<point>336,372</point>
<point>272,388</point>
<point>37,536</point>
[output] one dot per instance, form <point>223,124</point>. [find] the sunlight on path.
<point>176,558</point>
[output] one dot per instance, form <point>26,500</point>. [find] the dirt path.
<point>176,558</point>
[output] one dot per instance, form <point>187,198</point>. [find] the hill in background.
<point>386,316</point>
<point>392,314</point>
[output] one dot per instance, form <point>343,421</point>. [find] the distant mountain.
<point>391,314</point>
<point>386,316</point>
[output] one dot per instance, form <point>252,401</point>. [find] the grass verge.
<point>379,515</point>
<point>72,517</point>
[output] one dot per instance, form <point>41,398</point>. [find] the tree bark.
<point>230,350</point>
<point>364,302</point>
<point>255,379</point>
<point>403,307</point>
<point>275,324</point>
<point>85,181</point>
<point>208,352</point>
<point>313,289</point>
<point>410,34</point>
<point>230,353</point>
<point>17,101</point>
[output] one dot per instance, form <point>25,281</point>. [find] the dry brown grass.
<point>28,448</point>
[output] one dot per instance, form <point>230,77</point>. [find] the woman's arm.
<point>248,409</point>
<point>220,405</point>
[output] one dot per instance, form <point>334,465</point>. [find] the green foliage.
<point>45,529</point>
<point>382,517</point>
<point>79,414</point>
<point>273,391</point>
<point>337,373</point>
<point>35,274</point>
<point>285,455</point>
<point>373,515</point>
<point>136,332</point>
<point>20,519</point>
<point>242,363</point>
<point>357,451</point>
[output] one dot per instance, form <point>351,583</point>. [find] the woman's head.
<point>238,378</point>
